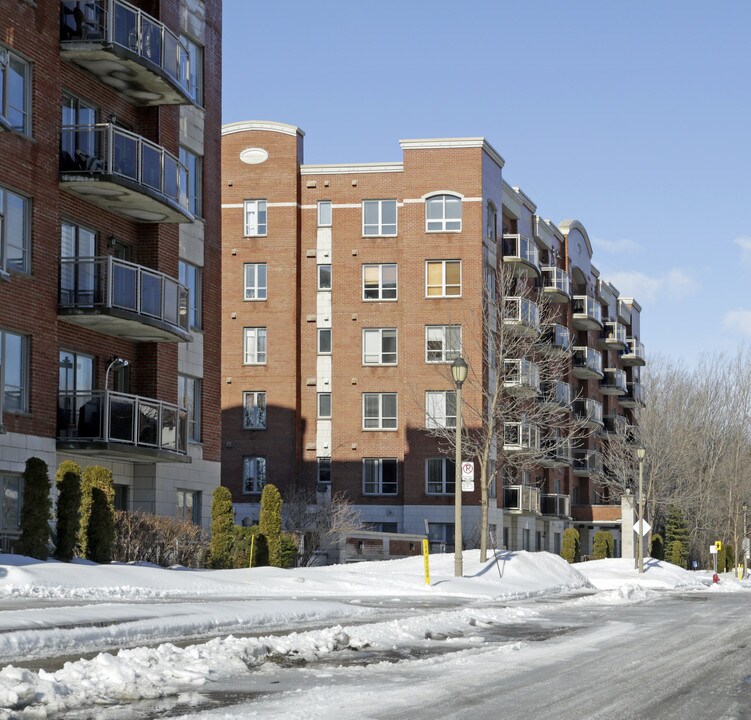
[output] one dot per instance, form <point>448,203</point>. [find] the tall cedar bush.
<point>222,529</point>
<point>570,545</point>
<point>103,529</point>
<point>676,530</point>
<point>657,550</point>
<point>603,545</point>
<point>100,532</point>
<point>68,507</point>
<point>676,553</point>
<point>35,512</point>
<point>270,523</point>
<point>729,558</point>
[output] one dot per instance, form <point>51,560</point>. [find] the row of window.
<point>379,475</point>
<point>443,344</point>
<point>379,410</point>
<point>443,213</point>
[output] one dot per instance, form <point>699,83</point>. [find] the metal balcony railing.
<point>556,280</point>
<point>589,410</point>
<point>116,22</point>
<point>108,282</point>
<point>587,308</point>
<point>520,437</point>
<point>588,359</point>
<point>634,395</point>
<point>586,462</point>
<point>634,353</point>
<point>614,333</point>
<point>557,336</point>
<point>106,149</point>
<point>557,450</point>
<point>518,248</point>
<point>520,311</point>
<point>521,374</point>
<point>615,424</point>
<point>521,498</point>
<point>557,393</point>
<point>555,504</point>
<point>112,417</point>
<point>613,382</point>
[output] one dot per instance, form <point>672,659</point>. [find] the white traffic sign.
<point>713,550</point>
<point>647,527</point>
<point>468,476</point>
<point>746,544</point>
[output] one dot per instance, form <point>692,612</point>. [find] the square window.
<point>189,506</point>
<point>255,218</point>
<point>379,476</point>
<point>324,213</point>
<point>255,281</point>
<point>379,282</point>
<point>379,346</point>
<point>254,474</point>
<point>443,343</point>
<point>443,278</point>
<point>324,277</point>
<point>324,406</point>
<point>440,476</point>
<point>440,409</point>
<point>379,411</point>
<point>324,341</point>
<point>254,410</point>
<point>255,346</point>
<point>379,217</point>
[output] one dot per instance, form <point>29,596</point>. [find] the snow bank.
<point>616,573</point>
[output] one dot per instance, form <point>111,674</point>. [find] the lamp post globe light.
<point>459,373</point>
<point>640,454</point>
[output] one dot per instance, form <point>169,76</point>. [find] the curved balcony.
<point>556,396</point>
<point>587,462</point>
<point>520,437</point>
<point>556,450</point>
<point>126,49</point>
<point>615,425</point>
<point>121,426</point>
<point>587,313</point>
<point>587,364</point>
<point>589,411</point>
<point>521,378</point>
<point>521,255</point>
<point>634,396</point>
<point>555,504</point>
<point>613,336</point>
<point>521,498</point>
<point>521,316</point>
<point>613,382</point>
<point>557,338</point>
<point>634,353</point>
<point>124,173</point>
<point>120,298</point>
<point>556,284</point>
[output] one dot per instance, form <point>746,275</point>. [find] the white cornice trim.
<point>631,301</point>
<point>382,167</point>
<point>447,143</point>
<point>528,202</point>
<point>265,125</point>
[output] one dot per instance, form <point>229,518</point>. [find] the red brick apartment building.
<point>110,247</point>
<point>348,289</point>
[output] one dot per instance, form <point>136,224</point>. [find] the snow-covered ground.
<point>259,615</point>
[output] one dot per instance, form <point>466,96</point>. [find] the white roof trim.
<point>445,143</point>
<point>381,167</point>
<point>433,193</point>
<point>267,125</point>
<point>631,301</point>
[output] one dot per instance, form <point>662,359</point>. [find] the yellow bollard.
<point>252,546</point>
<point>426,559</point>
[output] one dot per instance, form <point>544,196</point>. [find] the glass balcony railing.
<point>120,420</point>
<point>108,152</point>
<point>100,284</point>
<point>613,382</point>
<point>589,410</point>
<point>556,283</point>
<point>521,498</point>
<point>634,353</point>
<point>587,312</point>
<point>587,362</point>
<point>558,337</point>
<point>97,25</point>
<point>520,249</point>
<point>557,449</point>
<point>634,396</point>
<point>587,462</point>
<point>521,313</point>
<point>520,437</point>
<point>557,394</point>
<point>613,335</point>
<point>521,376</point>
<point>555,504</point>
<point>615,424</point>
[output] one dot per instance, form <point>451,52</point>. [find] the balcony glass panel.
<point>151,167</point>
<point>148,423</point>
<point>126,26</point>
<point>125,286</point>
<point>588,306</point>
<point>151,39</point>
<point>169,428</point>
<point>151,294</point>
<point>125,155</point>
<point>121,417</point>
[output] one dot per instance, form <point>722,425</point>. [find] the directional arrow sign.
<point>647,527</point>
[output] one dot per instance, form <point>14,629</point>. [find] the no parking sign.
<point>468,476</point>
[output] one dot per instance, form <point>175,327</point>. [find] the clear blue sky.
<point>633,117</point>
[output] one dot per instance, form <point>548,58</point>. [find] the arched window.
<point>443,213</point>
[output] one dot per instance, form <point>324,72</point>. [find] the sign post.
<point>426,559</point>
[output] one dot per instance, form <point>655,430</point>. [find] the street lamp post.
<point>115,362</point>
<point>640,453</point>
<point>745,538</point>
<point>459,373</point>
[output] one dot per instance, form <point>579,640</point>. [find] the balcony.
<point>613,336</point>
<point>587,364</point>
<point>556,505</point>
<point>557,450</point>
<point>520,253</point>
<point>624,312</point>
<point>634,396</point>
<point>124,173</point>
<point>132,52</point>
<point>589,411</point>
<point>587,462</point>
<point>587,313</point>
<point>520,437</point>
<point>615,425</point>
<point>556,396</point>
<point>556,284</point>
<point>521,498</point>
<point>521,378</point>
<point>634,355</point>
<point>119,298</point>
<point>120,426</point>
<point>613,382</point>
<point>557,339</point>
<point>521,316</point>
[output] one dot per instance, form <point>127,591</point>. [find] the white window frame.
<point>322,332</point>
<point>195,505</point>
<point>251,353</point>
<point>324,213</point>
<point>319,284</point>
<point>444,286</point>
<point>195,58</point>
<point>194,191</point>
<point>22,67</point>
<point>5,268</point>
<point>448,355</point>
<point>378,226</point>
<point>22,391</point>
<point>381,287</point>
<point>376,485</point>
<point>255,410</point>
<point>254,289</point>
<point>194,410</point>
<point>254,474</point>
<point>436,409</point>
<point>257,228</point>
<point>191,276</point>
<point>321,413</point>
<point>377,334</point>
<point>380,421</point>
<point>439,200</point>
<point>446,477</point>
<point>323,468</point>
